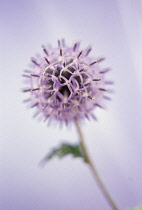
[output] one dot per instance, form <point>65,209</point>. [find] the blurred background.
<point>114,29</point>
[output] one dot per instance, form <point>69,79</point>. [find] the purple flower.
<point>66,84</point>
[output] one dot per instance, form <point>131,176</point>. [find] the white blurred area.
<point>114,29</point>
<point>131,16</point>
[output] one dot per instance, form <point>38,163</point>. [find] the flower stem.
<point>94,170</point>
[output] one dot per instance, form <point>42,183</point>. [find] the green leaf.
<point>63,150</point>
<point>138,208</point>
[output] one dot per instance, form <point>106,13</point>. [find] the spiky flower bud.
<point>66,84</point>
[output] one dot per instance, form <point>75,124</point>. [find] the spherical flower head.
<point>66,84</point>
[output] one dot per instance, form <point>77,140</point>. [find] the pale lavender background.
<point>114,28</point>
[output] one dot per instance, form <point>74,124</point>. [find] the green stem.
<point>94,170</point>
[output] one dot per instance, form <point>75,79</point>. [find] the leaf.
<point>63,150</point>
<point>138,208</point>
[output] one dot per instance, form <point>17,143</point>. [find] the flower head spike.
<point>66,83</point>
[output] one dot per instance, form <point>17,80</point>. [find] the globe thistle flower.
<point>66,84</point>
